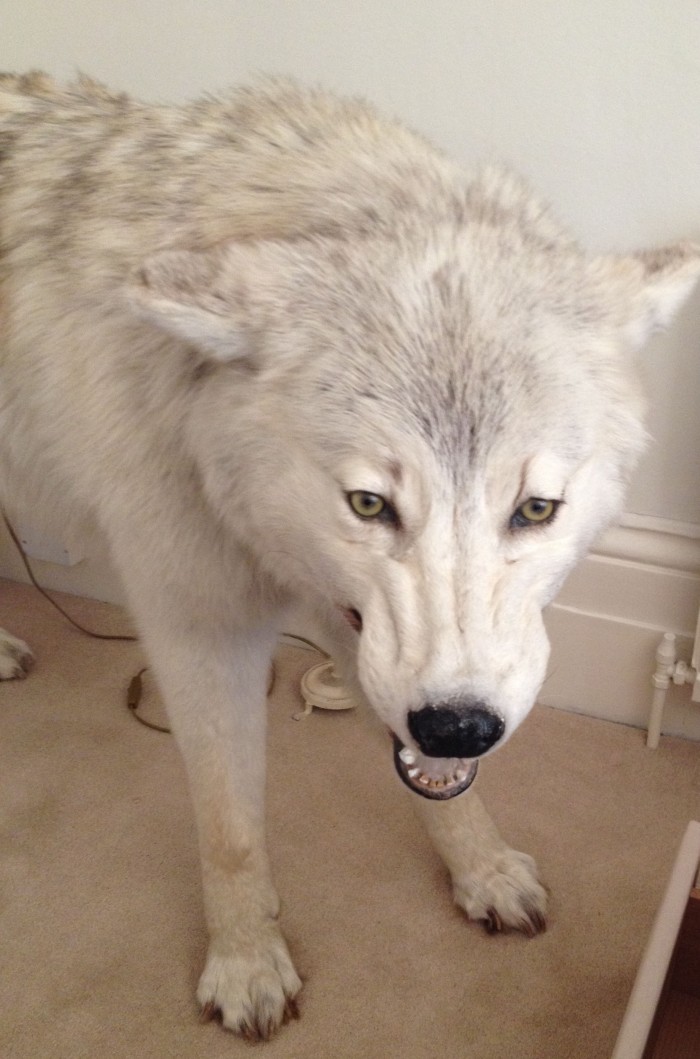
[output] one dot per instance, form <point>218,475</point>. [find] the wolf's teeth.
<point>433,783</point>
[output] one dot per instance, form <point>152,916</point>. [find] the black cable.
<point>133,698</point>
<point>37,586</point>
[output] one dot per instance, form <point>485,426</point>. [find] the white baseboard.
<point>607,622</point>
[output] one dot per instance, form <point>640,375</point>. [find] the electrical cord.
<point>133,698</point>
<point>44,593</point>
<point>134,690</point>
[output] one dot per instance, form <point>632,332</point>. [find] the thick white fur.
<point>216,321</point>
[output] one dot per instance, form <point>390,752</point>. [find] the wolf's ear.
<point>648,288</point>
<point>201,297</point>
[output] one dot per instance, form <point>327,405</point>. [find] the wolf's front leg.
<point>215,690</point>
<point>493,883</point>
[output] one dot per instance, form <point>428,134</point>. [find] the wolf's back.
<point>272,161</point>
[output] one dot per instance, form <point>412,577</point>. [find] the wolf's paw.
<point>15,657</point>
<point>253,989</point>
<point>504,893</point>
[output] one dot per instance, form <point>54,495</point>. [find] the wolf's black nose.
<point>464,728</point>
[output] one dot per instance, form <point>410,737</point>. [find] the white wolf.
<point>281,348</point>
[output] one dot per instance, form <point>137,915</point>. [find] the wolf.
<point>280,348</point>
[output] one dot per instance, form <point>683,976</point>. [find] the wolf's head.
<point>424,430</point>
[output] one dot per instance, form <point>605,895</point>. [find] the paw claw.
<point>253,1033</point>
<point>493,923</point>
<point>532,923</point>
<point>537,921</point>
<point>209,1011</point>
<point>291,1010</point>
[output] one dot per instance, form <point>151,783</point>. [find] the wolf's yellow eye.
<point>535,511</point>
<point>367,505</point>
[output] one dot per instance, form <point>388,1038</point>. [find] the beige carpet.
<point>101,935</point>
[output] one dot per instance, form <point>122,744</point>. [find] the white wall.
<point>597,101</point>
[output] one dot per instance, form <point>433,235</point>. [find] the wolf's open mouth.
<point>432,777</point>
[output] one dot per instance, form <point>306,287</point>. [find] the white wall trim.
<point>661,542</point>
<point>660,525</point>
<point>640,581</point>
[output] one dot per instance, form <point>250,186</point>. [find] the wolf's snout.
<point>466,728</point>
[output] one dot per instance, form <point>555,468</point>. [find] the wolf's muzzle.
<point>464,728</point>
